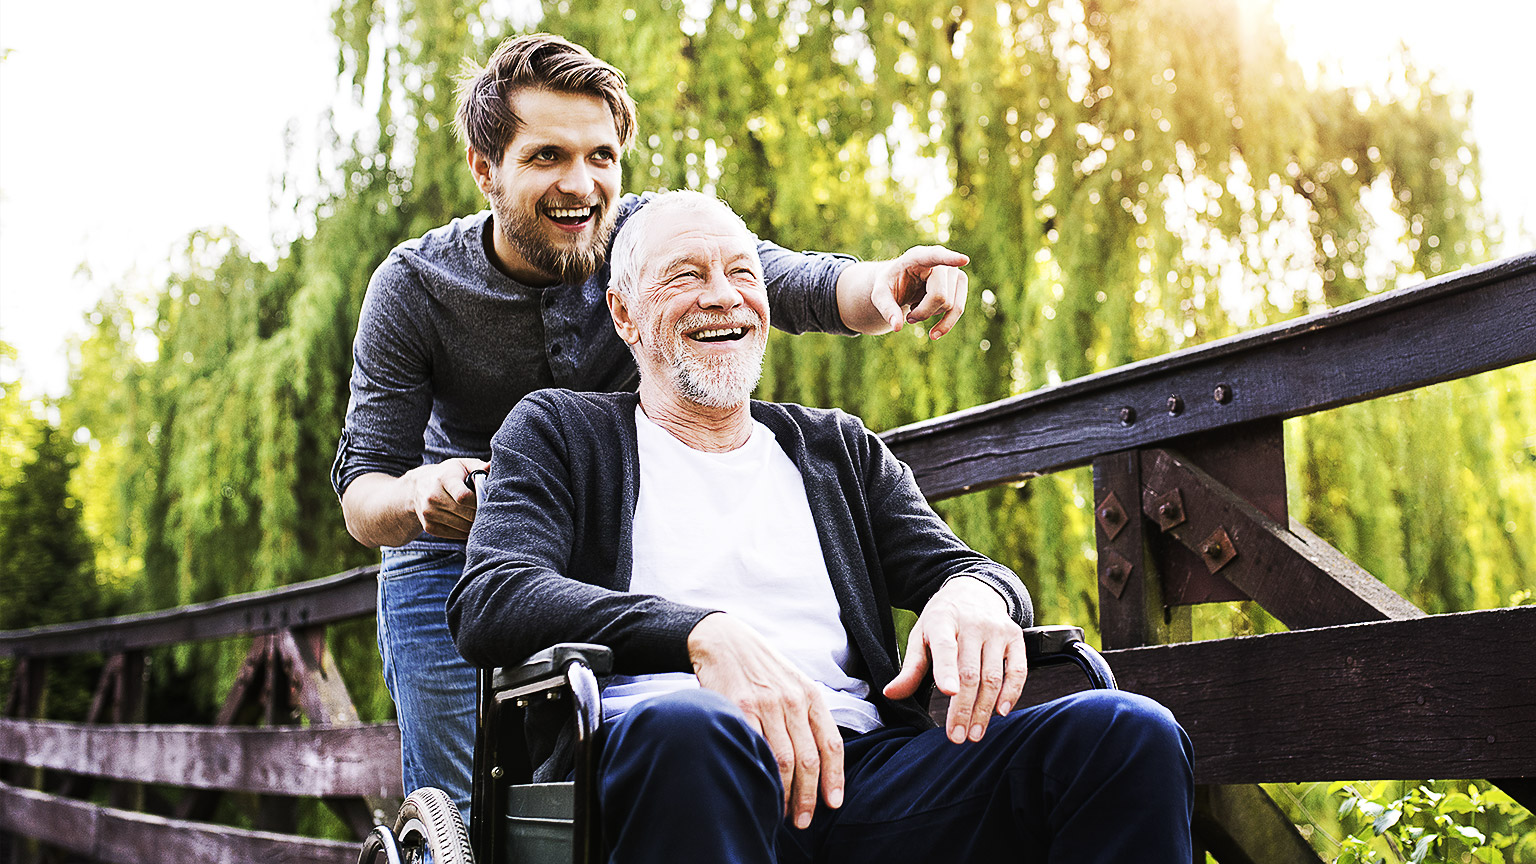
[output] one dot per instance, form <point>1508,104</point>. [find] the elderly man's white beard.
<point>724,382</point>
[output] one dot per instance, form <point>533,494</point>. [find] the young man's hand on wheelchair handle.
<point>782,703</point>
<point>977,654</point>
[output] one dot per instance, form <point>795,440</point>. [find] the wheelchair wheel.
<point>430,822</point>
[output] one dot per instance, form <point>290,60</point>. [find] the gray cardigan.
<point>549,554</point>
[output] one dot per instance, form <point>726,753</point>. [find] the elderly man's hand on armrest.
<point>783,704</point>
<point>975,650</point>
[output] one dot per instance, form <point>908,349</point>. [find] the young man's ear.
<point>623,320</point>
<point>481,167</point>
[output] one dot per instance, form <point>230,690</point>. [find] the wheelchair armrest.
<point>548,667</point>
<point>565,673</point>
<point>1062,643</point>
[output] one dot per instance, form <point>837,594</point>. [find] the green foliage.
<point>1123,191</point>
<point>1426,826</point>
<point>45,559</point>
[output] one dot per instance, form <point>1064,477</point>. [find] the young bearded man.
<point>460,324</point>
<point>741,560</point>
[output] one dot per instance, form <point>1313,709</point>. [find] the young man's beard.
<point>571,263</point>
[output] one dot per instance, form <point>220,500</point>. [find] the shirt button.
<point>554,350</point>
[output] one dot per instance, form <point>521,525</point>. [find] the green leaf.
<point>1470,835</point>
<point>1386,820</point>
<point>1422,848</point>
<point>1347,806</point>
<point>1456,802</point>
<point>1489,854</point>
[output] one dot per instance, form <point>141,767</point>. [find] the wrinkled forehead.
<point>699,236</point>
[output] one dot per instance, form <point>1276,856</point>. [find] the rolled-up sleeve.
<point>802,288</point>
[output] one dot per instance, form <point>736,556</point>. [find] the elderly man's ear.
<point>623,322</point>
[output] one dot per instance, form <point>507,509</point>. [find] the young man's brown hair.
<point>540,61</point>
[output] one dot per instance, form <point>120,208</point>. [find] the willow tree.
<point>1128,179</point>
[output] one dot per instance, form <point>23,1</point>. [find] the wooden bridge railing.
<point>1190,507</point>
<point>287,673</point>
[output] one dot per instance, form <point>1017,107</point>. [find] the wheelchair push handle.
<point>475,480</point>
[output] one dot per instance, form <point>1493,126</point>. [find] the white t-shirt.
<point>733,531</point>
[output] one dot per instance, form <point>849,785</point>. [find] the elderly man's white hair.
<point>627,258</point>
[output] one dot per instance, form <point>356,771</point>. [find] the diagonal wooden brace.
<point>1291,572</point>
<point>316,686</point>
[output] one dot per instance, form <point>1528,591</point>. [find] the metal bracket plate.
<point>1111,516</point>
<point>1114,571</point>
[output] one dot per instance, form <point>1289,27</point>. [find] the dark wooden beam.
<point>1450,327</point>
<point>352,594</point>
<point>316,686</point>
<point>1132,608</point>
<point>1249,459</point>
<point>123,837</point>
<point>1292,573</point>
<point>1445,696</point>
<point>312,761</point>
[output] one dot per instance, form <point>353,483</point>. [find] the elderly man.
<point>741,559</point>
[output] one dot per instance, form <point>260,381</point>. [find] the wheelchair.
<point>514,820</point>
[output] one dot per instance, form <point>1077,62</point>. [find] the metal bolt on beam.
<point>1169,510</point>
<point>1175,406</point>
<point>1112,517</point>
<point>1127,415</point>
<point>1218,550</point>
<point>1222,394</point>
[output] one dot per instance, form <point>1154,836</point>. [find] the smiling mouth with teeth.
<point>719,334</point>
<point>570,215</point>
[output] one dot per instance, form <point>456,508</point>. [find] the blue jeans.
<point>1096,777</point>
<point>433,687</point>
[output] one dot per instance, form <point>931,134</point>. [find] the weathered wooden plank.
<point>360,760</point>
<point>1454,326</point>
<point>352,594</point>
<point>124,837</point>
<point>1294,574</point>
<point>1449,696</point>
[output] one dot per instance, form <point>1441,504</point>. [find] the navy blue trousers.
<point>1100,776</point>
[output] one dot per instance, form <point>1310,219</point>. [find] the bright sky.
<point>126,125</point>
